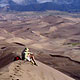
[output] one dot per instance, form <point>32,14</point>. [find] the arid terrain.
<point>54,39</point>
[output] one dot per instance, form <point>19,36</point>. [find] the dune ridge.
<point>21,70</point>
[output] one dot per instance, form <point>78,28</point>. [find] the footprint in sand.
<point>1,73</point>
<point>17,72</point>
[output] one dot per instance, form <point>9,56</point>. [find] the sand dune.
<point>21,70</point>
<point>47,35</point>
<point>19,40</point>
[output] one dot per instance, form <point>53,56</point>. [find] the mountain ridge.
<point>41,6</point>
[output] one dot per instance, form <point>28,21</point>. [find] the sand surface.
<point>21,70</point>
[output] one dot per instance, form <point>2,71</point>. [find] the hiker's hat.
<point>27,49</point>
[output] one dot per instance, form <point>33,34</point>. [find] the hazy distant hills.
<point>38,5</point>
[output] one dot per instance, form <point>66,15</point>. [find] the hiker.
<point>29,56</point>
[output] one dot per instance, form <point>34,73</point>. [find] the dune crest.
<point>21,70</point>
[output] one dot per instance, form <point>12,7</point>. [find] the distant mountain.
<point>39,5</point>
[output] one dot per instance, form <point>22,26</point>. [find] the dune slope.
<point>21,70</point>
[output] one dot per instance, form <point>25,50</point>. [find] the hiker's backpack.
<point>23,54</point>
<point>17,58</point>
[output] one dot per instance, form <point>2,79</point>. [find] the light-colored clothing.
<point>27,55</point>
<point>28,58</point>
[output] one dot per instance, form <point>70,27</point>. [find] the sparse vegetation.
<point>75,44</point>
